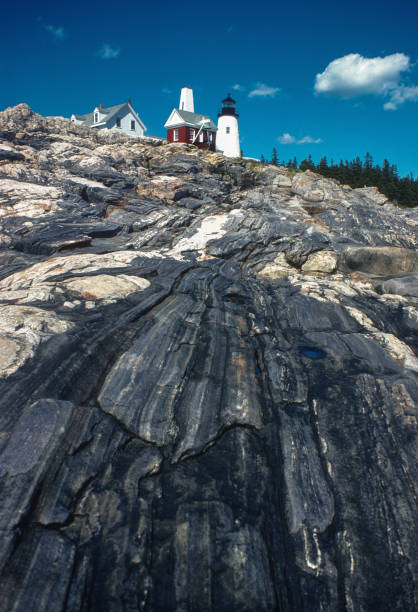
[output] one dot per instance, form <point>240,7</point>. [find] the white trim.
<point>196,126</point>
<point>175,120</point>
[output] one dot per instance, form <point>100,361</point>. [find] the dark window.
<point>191,134</point>
<point>133,125</point>
<point>96,117</point>
<point>228,129</point>
<point>118,122</point>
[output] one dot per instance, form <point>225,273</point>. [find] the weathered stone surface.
<point>276,268</point>
<point>105,286</point>
<point>405,285</point>
<point>321,261</point>
<point>382,260</point>
<point>22,329</point>
<point>9,154</point>
<point>210,402</point>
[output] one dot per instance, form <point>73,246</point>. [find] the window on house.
<point>228,130</point>
<point>96,117</point>
<point>210,137</point>
<point>191,134</point>
<point>175,135</point>
<point>133,125</point>
<point>201,137</point>
<point>118,122</point>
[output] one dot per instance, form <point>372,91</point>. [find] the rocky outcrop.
<point>382,260</point>
<point>208,381</point>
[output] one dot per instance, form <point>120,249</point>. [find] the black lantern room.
<point>228,107</point>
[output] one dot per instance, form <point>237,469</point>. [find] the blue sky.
<point>62,58</point>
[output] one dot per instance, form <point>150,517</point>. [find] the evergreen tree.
<point>323,166</point>
<point>311,165</point>
<point>274,158</point>
<point>355,173</point>
<point>368,161</point>
<point>386,169</point>
<point>262,160</point>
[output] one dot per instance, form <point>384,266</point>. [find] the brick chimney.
<point>129,101</point>
<point>101,106</point>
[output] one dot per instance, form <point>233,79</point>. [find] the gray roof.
<point>88,119</point>
<point>113,110</point>
<point>195,119</point>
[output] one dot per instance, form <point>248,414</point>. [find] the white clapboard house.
<point>119,118</point>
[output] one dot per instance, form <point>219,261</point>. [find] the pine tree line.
<point>358,173</point>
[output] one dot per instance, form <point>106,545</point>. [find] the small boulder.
<point>381,260</point>
<point>405,285</point>
<point>324,262</point>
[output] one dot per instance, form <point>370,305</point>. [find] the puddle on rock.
<point>312,353</point>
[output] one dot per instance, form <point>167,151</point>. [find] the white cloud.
<point>106,51</point>
<point>237,87</point>
<point>167,91</point>
<point>354,75</point>
<point>399,95</point>
<point>309,139</point>
<point>57,32</point>
<point>287,138</point>
<point>264,91</point>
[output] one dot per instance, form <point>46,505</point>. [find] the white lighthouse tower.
<point>186,99</point>
<point>227,138</point>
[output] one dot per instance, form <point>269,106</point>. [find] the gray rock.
<point>10,155</point>
<point>406,285</point>
<point>199,411</point>
<point>381,260</point>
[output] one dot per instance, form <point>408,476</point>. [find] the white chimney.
<point>186,99</point>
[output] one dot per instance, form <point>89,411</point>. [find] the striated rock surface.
<point>208,381</point>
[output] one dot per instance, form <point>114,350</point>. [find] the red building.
<point>184,125</point>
